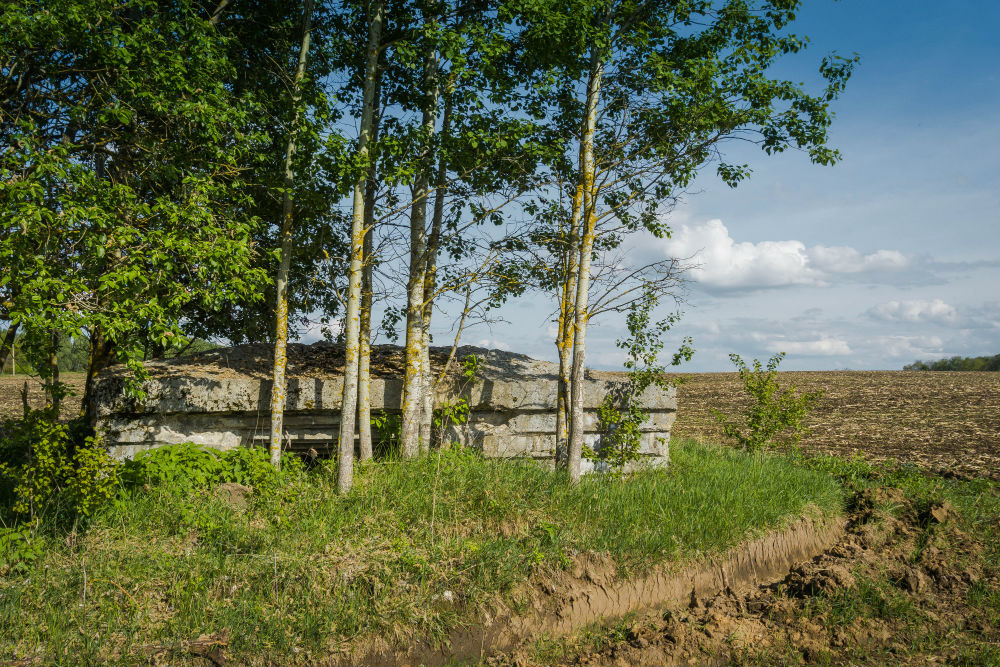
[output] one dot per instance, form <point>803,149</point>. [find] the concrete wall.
<point>512,409</point>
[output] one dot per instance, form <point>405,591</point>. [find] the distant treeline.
<point>957,364</point>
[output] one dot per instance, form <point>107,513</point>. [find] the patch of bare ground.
<point>946,422</point>
<point>12,388</point>
<point>560,602</point>
<point>904,585</point>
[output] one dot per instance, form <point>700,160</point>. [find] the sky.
<point>890,256</point>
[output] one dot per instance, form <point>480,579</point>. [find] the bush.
<point>621,413</point>
<point>45,462</point>
<point>189,466</point>
<point>772,410</point>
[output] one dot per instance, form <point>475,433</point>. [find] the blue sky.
<point>889,256</point>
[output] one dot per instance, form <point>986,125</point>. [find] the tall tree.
<point>121,197</point>
<point>413,380</point>
<point>285,256</point>
<point>352,322</point>
<point>655,88</point>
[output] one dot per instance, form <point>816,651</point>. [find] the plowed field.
<point>944,421</point>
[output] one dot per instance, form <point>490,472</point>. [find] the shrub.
<point>621,413</point>
<point>189,466</point>
<point>772,410</point>
<point>44,461</point>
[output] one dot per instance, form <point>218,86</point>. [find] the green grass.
<point>301,572</point>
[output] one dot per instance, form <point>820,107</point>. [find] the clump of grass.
<point>418,548</point>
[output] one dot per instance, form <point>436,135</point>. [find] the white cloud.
<point>492,344</point>
<point>728,265</point>
<point>910,347</point>
<point>915,311</point>
<point>823,347</point>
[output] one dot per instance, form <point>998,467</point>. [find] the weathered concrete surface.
<point>221,399</point>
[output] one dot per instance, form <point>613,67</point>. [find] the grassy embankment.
<point>922,559</point>
<point>418,548</point>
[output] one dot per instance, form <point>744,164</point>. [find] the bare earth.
<point>943,421</point>
<point>916,569</point>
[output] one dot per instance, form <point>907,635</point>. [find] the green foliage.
<point>621,413</point>
<point>772,411</point>
<point>387,427</point>
<point>46,464</point>
<point>188,466</point>
<point>122,202</point>
<point>991,364</point>
<point>317,567</point>
<point>456,413</point>
<point>18,548</point>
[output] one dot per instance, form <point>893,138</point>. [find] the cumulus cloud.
<point>916,311</point>
<point>493,344</point>
<point>725,264</point>
<point>910,347</point>
<point>822,347</point>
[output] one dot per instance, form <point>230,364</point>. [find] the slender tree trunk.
<point>413,379</point>
<point>52,387</point>
<point>101,356</point>
<point>580,314</point>
<point>366,448</point>
<point>287,229</point>
<point>7,346</point>
<point>564,336</point>
<point>352,321</point>
<point>430,284</point>
<point>365,444</point>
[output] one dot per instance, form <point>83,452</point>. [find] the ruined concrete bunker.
<point>221,399</point>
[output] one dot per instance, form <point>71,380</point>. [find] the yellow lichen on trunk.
<point>352,318</point>
<point>580,311</point>
<point>564,335</point>
<point>284,262</point>
<point>413,380</point>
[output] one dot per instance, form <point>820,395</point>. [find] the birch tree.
<point>352,326</point>
<point>413,379</point>
<point>285,257</point>
<point>656,89</point>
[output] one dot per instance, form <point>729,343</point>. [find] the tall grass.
<point>416,549</point>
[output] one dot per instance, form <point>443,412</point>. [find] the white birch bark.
<point>352,320</point>
<point>413,374</point>
<point>284,263</point>
<point>430,284</point>
<point>365,445</point>
<point>564,336</point>
<point>580,314</point>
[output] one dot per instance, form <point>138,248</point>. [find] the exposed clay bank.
<point>221,399</point>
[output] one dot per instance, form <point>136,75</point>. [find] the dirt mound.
<point>591,591</point>
<point>897,578</point>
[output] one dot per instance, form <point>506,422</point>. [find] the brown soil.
<point>590,591</point>
<point>946,422</point>
<point>893,589</point>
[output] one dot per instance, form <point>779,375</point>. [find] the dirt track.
<point>591,591</point>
